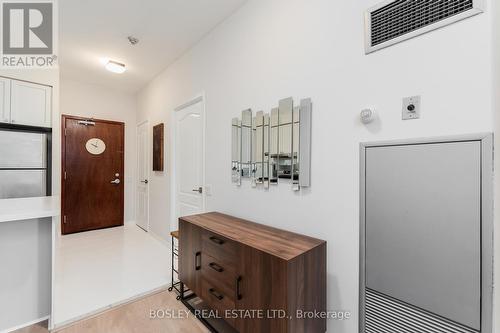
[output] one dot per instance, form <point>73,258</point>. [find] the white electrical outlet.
<point>411,108</point>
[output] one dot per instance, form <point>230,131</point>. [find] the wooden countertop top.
<point>280,243</point>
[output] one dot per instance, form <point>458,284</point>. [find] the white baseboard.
<point>18,327</point>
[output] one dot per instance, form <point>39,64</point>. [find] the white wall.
<point>269,50</point>
<point>87,100</point>
<point>496,100</point>
<point>153,106</point>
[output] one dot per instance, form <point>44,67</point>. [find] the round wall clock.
<point>95,146</point>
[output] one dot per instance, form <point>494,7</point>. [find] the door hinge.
<point>64,219</point>
<point>65,131</point>
<point>65,175</point>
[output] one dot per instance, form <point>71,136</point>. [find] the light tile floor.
<point>99,269</point>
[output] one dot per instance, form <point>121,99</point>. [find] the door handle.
<point>216,294</point>
<point>238,292</point>
<point>145,181</point>
<point>199,190</point>
<point>197,261</point>
<point>216,267</point>
<point>216,240</point>
<point>116,181</point>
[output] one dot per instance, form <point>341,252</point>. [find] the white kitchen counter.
<point>28,208</point>
<point>27,236</point>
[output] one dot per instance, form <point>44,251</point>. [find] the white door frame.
<point>148,145</point>
<point>200,98</point>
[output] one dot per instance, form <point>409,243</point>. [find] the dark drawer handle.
<point>197,261</point>
<point>216,240</point>
<point>216,267</point>
<point>238,292</point>
<point>216,294</point>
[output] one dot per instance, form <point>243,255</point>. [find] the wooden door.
<point>190,256</point>
<point>31,104</point>
<point>92,174</point>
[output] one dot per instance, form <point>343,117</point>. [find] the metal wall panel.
<point>385,314</point>
<point>423,227</point>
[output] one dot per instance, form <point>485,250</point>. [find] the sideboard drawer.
<point>220,248</point>
<point>223,277</point>
<point>218,301</point>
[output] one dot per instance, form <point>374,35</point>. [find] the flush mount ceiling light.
<point>115,67</point>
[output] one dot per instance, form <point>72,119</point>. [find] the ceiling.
<point>92,30</point>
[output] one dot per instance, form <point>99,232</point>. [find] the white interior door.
<point>142,206</point>
<point>189,161</point>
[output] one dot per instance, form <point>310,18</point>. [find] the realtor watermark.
<point>29,34</point>
<point>248,314</point>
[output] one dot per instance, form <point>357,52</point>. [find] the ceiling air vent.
<point>397,20</point>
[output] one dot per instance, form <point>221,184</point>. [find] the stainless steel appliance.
<point>24,163</point>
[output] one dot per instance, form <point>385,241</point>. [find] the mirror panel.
<point>253,168</point>
<point>235,151</point>
<point>285,138</point>
<point>305,142</point>
<point>259,148</point>
<point>273,147</point>
<point>295,148</point>
<point>246,143</point>
<point>265,166</point>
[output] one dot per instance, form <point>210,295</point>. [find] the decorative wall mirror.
<point>235,151</point>
<point>285,139</point>
<point>246,143</point>
<point>265,165</point>
<point>275,147</point>
<point>295,148</point>
<point>258,149</point>
<point>253,168</point>
<point>305,131</point>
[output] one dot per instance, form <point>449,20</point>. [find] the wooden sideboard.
<point>252,274</point>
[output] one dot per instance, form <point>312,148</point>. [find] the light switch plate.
<point>208,190</point>
<point>411,108</point>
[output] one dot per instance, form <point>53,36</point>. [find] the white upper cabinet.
<point>31,104</point>
<point>4,100</point>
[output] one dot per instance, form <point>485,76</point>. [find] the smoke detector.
<point>133,40</point>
